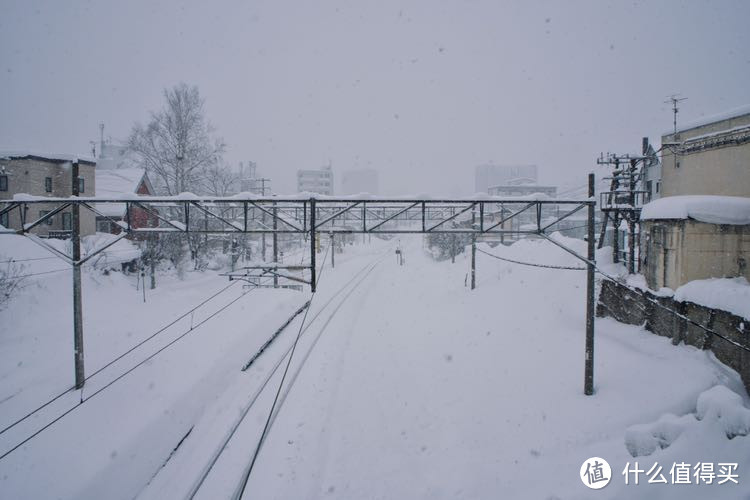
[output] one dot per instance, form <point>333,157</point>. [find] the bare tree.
<point>11,280</point>
<point>220,180</point>
<point>176,146</point>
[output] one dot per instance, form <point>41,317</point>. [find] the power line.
<point>547,266</point>
<point>217,453</point>
<point>121,376</point>
<point>246,475</point>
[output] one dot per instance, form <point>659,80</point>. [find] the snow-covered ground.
<point>417,387</point>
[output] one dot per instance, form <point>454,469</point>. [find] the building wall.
<point>674,252</point>
<point>315,181</point>
<point>27,175</point>
<point>486,176</point>
<point>722,170</point>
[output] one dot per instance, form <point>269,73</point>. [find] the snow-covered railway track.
<point>328,311</point>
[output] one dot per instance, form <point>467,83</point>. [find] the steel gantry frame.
<point>309,216</point>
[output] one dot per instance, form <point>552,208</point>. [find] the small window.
<point>42,213</point>
<point>3,182</point>
<point>4,220</point>
<point>677,164</point>
<point>48,184</point>
<point>658,185</point>
<point>80,185</point>
<point>102,226</point>
<point>67,223</point>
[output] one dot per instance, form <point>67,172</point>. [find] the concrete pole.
<point>333,251</point>
<point>473,249</point>
<point>312,245</point>
<point>80,376</point>
<point>275,244</point>
<point>588,387</point>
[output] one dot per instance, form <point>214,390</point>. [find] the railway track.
<point>315,326</point>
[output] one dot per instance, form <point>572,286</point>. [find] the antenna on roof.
<point>674,99</point>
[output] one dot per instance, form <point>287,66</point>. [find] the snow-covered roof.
<point>706,120</point>
<point>118,181</point>
<point>704,208</point>
<point>60,157</point>
<point>115,183</point>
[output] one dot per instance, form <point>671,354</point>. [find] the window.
<point>3,182</point>
<point>42,213</point>
<point>80,185</point>
<point>102,226</point>
<point>4,220</point>
<point>67,223</point>
<point>677,164</point>
<point>48,184</point>
<point>658,185</point>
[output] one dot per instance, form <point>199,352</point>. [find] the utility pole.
<point>588,384</point>
<point>312,245</point>
<point>333,250</point>
<point>275,245</point>
<point>473,250</point>
<point>77,300</point>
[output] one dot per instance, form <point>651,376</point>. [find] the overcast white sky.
<point>421,91</point>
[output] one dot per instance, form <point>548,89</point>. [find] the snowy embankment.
<point>417,388</point>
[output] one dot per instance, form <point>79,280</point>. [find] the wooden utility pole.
<point>77,300</point>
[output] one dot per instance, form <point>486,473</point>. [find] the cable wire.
<point>546,266</point>
<point>243,482</point>
<point>127,372</point>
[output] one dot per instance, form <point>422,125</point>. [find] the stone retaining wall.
<point>638,308</point>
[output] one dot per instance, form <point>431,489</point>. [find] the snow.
<point>113,184</point>
<point>704,208</point>
<point>10,154</point>
<point>418,387</point>
<point>727,294</point>
<point>706,120</point>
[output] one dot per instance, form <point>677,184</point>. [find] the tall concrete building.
<point>486,176</point>
<point>359,181</point>
<point>315,181</point>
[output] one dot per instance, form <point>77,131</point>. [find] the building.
<point>525,187</point>
<point>700,228</point>
<point>48,175</point>
<point>686,238</point>
<point>708,157</point>
<point>489,175</point>
<point>359,181</point>
<point>315,181</point>
<point>112,184</point>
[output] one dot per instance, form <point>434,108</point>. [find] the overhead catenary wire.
<point>633,289</point>
<point>246,475</point>
<point>547,266</point>
<point>118,358</point>
<point>233,429</point>
<point>124,374</point>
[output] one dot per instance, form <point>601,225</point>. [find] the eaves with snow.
<point>733,210</point>
<point>38,155</point>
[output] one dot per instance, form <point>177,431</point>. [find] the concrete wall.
<point>723,170</point>
<point>639,308</point>
<point>27,175</point>
<point>674,252</point>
